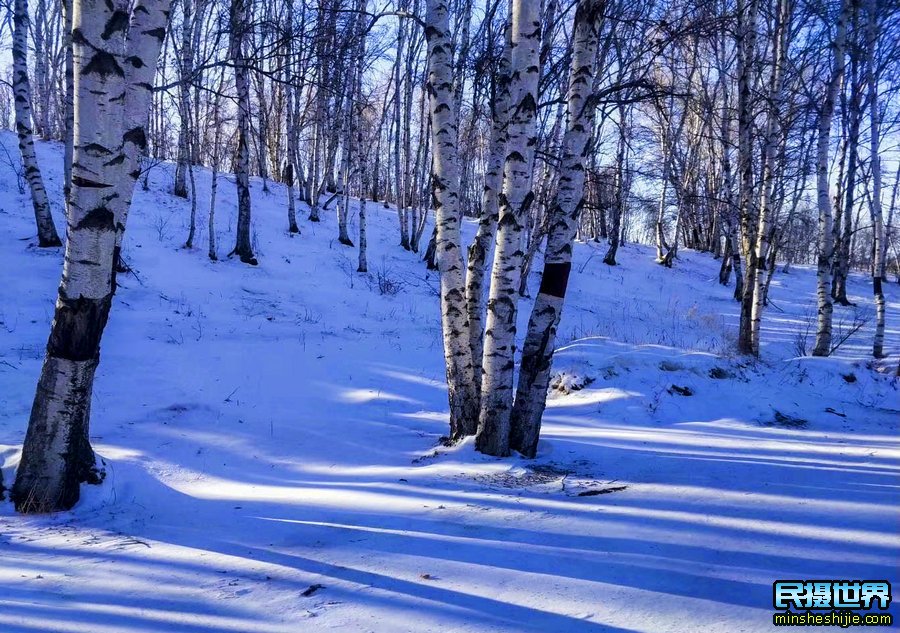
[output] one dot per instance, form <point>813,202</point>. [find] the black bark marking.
<point>555,279</point>
<point>95,149</point>
<point>288,174</point>
<point>103,64</point>
<point>116,24</point>
<point>507,219</point>
<point>32,492</point>
<point>100,218</point>
<point>77,328</point>
<point>528,105</point>
<point>159,33</point>
<point>526,203</point>
<point>78,181</point>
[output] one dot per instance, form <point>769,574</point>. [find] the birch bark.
<point>184,99</point>
<point>41,76</point>
<point>770,147</point>
<point>874,141</point>
<point>537,352</point>
<point>47,235</point>
<point>361,151</point>
<point>746,44</point>
<point>515,201</point>
<point>68,101</point>
<point>826,221</point>
<point>111,50</point>
<point>844,227</point>
<point>445,197</point>
<point>490,211</point>
<point>238,20</point>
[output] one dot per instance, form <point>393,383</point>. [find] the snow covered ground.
<point>271,438</point>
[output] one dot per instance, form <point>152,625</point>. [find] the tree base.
<point>57,456</point>
<point>246,257</point>
<point>51,242</point>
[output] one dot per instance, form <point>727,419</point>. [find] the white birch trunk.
<point>47,235</point>
<point>826,221</point>
<point>348,161</point>
<point>142,48</point>
<point>216,157</point>
<point>239,21</point>
<point>537,353</point>
<point>400,177</point>
<point>844,228</point>
<point>57,454</point>
<point>184,99</point>
<point>746,44</point>
<point>189,242</point>
<point>41,77</point>
<point>69,101</point>
<point>211,222</point>
<point>288,175</point>
<point>874,141</point>
<point>662,246</point>
<point>361,151</point>
<point>262,129</point>
<point>490,212</point>
<point>770,146</point>
<point>619,186</point>
<point>515,201</point>
<point>445,195</point>
<point>312,186</point>
<point>290,169</point>
<point>732,212</point>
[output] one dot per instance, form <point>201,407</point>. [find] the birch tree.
<point>68,99</point>
<point>41,75</point>
<point>871,8</point>
<point>747,11</point>
<point>112,50</point>
<point>490,209</point>
<point>823,198</point>
<point>843,225</point>
<point>47,235</point>
<point>515,200</point>
<point>731,213</point>
<point>186,69</point>
<point>537,352</point>
<point>290,175</point>
<point>445,199</point>
<point>399,180</point>
<point>770,143</point>
<point>238,22</point>
<point>361,150</point>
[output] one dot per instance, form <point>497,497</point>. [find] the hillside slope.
<point>270,429</point>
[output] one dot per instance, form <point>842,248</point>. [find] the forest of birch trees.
<point>763,132</point>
